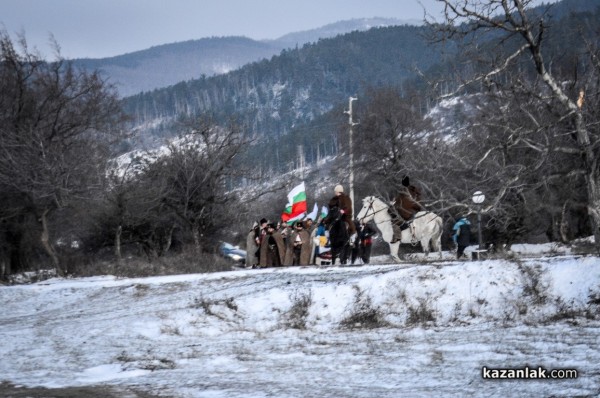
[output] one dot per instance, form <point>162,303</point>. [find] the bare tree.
<point>196,177</point>
<point>133,213</point>
<point>55,129</point>
<point>389,136</point>
<point>521,35</point>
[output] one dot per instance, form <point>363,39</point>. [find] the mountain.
<point>295,98</point>
<point>271,97</point>
<point>168,64</point>
<point>339,28</point>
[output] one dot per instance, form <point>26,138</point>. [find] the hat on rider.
<point>338,188</point>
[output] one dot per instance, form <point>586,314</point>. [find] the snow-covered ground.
<point>416,329</point>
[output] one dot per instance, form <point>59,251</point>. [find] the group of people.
<point>277,244</point>
<point>282,244</point>
<point>272,244</point>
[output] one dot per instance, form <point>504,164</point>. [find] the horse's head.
<point>334,213</point>
<point>367,212</point>
<point>372,207</point>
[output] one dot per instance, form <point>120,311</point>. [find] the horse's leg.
<point>344,254</point>
<point>437,245</point>
<point>394,251</point>
<point>333,254</point>
<point>425,246</point>
<point>336,253</point>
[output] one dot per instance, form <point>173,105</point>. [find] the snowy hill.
<point>168,64</point>
<point>413,329</point>
<point>291,40</point>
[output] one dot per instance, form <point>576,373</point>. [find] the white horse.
<point>425,227</point>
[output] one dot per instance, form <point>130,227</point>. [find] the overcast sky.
<point>102,28</point>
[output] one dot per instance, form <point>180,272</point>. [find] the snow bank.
<point>341,331</point>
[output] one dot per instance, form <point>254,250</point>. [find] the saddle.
<point>399,225</point>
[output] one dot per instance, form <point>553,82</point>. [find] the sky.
<point>306,331</point>
<point>102,28</point>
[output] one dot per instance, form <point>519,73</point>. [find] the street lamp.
<point>478,198</point>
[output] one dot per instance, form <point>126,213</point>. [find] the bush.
<point>186,262</point>
<point>295,317</point>
<point>363,314</point>
<point>422,314</point>
<point>533,285</point>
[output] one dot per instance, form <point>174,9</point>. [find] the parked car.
<point>233,253</point>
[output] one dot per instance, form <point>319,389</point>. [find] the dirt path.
<point>8,390</point>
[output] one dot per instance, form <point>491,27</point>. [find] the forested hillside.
<point>302,90</point>
<point>271,97</point>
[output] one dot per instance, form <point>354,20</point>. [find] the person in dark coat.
<point>407,203</point>
<point>414,191</point>
<point>344,203</point>
<point>260,233</point>
<point>363,242</point>
<point>462,236</point>
<point>285,229</point>
<point>272,248</point>
<point>298,247</point>
<point>309,225</point>
<point>251,247</point>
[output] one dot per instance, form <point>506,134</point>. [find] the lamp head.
<point>478,197</point>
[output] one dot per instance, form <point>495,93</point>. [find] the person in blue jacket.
<point>462,236</point>
<point>318,233</point>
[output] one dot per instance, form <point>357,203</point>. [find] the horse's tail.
<point>440,224</point>
<point>437,240</point>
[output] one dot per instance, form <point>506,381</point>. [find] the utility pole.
<point>301,159</point>
<point>350,149</point>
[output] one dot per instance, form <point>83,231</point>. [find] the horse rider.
<point>344,203</point>
<point>414,191</point>
<point>407,202</point>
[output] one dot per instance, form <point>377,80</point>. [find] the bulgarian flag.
<point>296,206</point>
